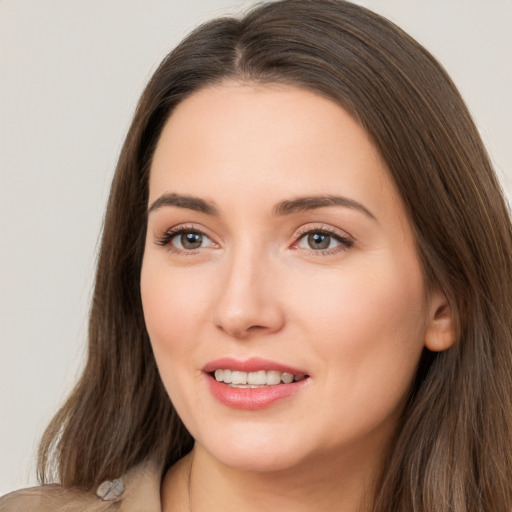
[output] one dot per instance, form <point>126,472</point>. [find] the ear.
<point>441,329</point>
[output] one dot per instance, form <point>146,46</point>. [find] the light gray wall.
<point>70,75</point>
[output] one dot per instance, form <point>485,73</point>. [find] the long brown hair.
<point>453,448</point>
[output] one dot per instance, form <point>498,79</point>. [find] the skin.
<point>355,316</point>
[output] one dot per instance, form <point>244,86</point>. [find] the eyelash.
<point>166,239</point>
<point>345,242</point>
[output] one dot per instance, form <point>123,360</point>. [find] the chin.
<point>255,452</point>
<point>252,460</point>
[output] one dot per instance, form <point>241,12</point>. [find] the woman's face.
<point>278,249</point>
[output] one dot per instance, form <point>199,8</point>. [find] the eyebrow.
<point>287,207</point>
<point>301,204</point>
<point>183,201</point>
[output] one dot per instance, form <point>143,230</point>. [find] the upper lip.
<point>253,364</point>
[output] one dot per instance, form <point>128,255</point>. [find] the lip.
<point>252,398</point>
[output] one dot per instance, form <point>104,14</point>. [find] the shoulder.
<point>137,491</point>
<point>51,498</point>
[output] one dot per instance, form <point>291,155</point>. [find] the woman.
<point>302,295</point>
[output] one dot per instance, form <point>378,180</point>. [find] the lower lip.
<point>252,399</point>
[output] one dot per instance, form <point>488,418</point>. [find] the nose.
<point>249,302</point>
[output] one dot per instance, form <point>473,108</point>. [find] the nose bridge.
<point>247,301</point>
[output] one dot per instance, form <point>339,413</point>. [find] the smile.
<point>255,383</point>
<point>256,379</point>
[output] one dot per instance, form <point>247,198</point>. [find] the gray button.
<point>110,490</point>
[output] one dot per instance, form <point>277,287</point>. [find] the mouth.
<point>253,384</point>
<point>255,379</point>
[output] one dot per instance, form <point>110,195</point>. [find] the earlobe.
<point>441,330</point>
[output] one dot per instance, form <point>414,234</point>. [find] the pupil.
<point>319,240</point>
<point>191,240</point>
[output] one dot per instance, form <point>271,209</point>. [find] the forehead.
<point>266,141</point>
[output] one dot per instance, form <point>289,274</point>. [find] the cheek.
<point>172,302</point>
<point>362,297</point>
<point>173,308</point>
<point>368,324</point>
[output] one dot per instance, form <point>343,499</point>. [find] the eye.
<point>189,240</point>
<point>184,240</point>
<point>321,240</point>
<point>318,241</point>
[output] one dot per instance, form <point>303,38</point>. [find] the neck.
<point>200,483</point>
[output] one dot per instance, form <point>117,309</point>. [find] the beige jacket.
<point>137,491</point>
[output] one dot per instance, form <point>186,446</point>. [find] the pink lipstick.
<point>254,383</point>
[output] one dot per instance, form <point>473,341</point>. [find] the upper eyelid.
<point>308,228</point>
<point>178,228</point>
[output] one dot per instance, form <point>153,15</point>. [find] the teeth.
<point>239,377</point>
<point>273,378</point>
<point>255,379</point>
<point>287,378</point>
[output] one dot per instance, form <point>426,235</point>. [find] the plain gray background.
<point>70,75</point>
